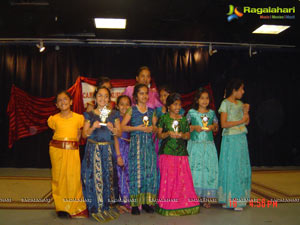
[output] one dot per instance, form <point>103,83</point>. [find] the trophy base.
<point>204,128</point>
<point>103,124</point>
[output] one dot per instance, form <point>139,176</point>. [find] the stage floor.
<point>282,213</point>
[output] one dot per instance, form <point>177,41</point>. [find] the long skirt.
<point>157,143</point>
<point>66,183</point>
<point>177,196</point>
<point>234,171</point>
<point>99,180</point>
<point>123,173</point>
<point>203,161</point>
<point>143,184</point>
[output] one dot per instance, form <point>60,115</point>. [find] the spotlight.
<point>41,46</point>
<point>211,51</point>
<point>252,52</point>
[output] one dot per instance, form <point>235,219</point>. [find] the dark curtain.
<point>270,84</point>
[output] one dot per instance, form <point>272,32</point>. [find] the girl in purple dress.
<point>123,103</point>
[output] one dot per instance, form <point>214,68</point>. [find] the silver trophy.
<point>104,113</point>
<point>175,125</point>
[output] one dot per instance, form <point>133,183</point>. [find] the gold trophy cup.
<point>175,125</point>
<point>104,113</point>
<point>146,121</point>
<point>205,120</point>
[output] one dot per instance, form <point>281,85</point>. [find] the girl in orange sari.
<point>65,160</point>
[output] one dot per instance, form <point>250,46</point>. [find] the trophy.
<point>175,125</point>
<point>104,113</point>
<point>146,121</point>
<point>204,122</point>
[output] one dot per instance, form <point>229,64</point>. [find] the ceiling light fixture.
<point>41,46</point>
<point>110,23</point>
<point>270,29</point>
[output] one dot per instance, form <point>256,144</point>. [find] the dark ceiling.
<point>172,20</point>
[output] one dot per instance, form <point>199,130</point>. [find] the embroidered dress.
<point>65,161</point>
<point>234,164</point>
<point>98,172</point>
<point>203,156</point>
<point>123,173</point>
<point>143,183</point>
<point>177,196</point>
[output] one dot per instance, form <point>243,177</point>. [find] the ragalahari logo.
<point>233,13</point>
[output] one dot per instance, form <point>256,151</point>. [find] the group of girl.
<point>151,159</point>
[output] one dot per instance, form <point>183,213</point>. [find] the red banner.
<point>28,114</point>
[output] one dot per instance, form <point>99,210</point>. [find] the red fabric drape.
<point>28,114</point>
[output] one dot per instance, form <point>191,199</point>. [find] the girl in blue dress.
<point>98,170</point>
<point>203,157</point>
<point>123,104</point>
<point>143,178</point>
<point>234,164</point>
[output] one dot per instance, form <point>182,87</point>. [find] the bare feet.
<point>206,205</point>
<point>124,208</point>
<point>120,209</point>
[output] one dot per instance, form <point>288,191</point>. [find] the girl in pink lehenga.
<point>176,196</point>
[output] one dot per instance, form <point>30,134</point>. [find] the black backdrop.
<point>270,78</point>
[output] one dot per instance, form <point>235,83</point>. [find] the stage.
<point>26,199</point>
